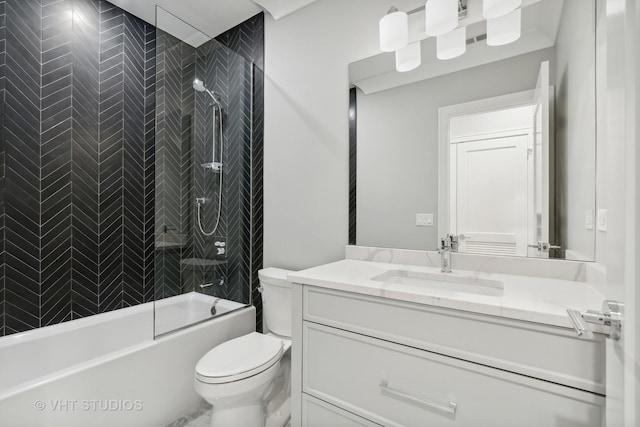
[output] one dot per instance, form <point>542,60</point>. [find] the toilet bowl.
<point>239,376</point>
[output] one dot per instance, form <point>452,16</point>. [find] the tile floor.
<point>200,418</point>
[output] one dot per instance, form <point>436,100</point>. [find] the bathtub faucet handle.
<point>220,282</point>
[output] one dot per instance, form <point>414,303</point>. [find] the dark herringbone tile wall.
<point>78,161</point>
<point>184,116</point>
<point>77,81</point>
<point>247,39</point>
<point>174,163</point>
<point>3,39</point>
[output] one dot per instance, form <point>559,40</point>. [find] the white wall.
<point>306,127</point>
<point>398,147</point>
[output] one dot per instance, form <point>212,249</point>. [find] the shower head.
<point>199,86</point>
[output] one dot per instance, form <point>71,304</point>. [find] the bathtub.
<point>185,310</point>
<point>108,370</point>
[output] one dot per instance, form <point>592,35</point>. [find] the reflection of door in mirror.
<point>489,180</point>
<point>499,201</point>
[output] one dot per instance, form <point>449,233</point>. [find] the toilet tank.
<point>276,300</point>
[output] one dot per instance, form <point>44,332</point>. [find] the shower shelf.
<point>201,262</point>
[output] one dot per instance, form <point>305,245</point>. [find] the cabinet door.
<point>506,344</point>
<point>316,413</point>
<point>396,385</point>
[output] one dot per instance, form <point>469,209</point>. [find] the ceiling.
<point>211,17</point>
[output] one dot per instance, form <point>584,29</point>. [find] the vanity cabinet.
<point>361,360</point>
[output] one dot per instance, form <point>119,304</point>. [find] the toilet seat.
<point>239,358</point>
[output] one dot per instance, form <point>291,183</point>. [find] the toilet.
<point>247,379</point>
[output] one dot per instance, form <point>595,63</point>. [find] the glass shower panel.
<point>203,176</point>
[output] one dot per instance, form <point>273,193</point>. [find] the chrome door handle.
<point>576,320</point>
<point>544,246</point>
<point>448,408</point>
<point>611,315</point>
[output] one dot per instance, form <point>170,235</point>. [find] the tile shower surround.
<point>185,115</point>
<point>77,123</point>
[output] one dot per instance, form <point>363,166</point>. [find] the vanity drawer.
<point>551,353</point>
<point>396,385</point>
<point>316,413</point>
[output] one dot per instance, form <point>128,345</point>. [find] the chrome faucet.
<point>214,310</point>
<point>448,244</point>
<point>219,282</point>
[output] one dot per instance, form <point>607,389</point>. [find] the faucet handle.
<point>453,242</point>
<point>445,244</point>
<point>449,243</point>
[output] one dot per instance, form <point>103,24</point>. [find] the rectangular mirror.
<point>496,146</point>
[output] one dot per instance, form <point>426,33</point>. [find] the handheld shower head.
<point>199,86</point>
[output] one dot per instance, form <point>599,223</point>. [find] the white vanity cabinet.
<point>361,360</point>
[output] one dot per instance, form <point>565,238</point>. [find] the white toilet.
<point>241,376</point>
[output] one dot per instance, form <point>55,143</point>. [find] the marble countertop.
<point>532,299</point>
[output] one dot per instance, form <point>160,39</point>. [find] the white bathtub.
<point>177,312</point>
<point>107,370</point>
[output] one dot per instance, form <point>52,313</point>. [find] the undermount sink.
<point>443,281</point>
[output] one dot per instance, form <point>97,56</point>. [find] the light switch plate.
<point>602,220</point>
<point>588,219</point>
<point>424,220</point>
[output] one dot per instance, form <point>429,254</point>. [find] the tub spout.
<point>214,310</point>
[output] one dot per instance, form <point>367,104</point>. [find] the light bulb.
<point>394,30</point>
<point>496,8</point>
<point>452,45</point>
<point>408,57</point>
<point>441,16</point>
<point>504,29</point>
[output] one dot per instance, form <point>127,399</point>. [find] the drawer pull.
<point>449,408</point>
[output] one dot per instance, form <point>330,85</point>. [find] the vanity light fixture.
<point>452,45</point>
<point>408,57</point>
<point>496,8</point>
<point>504,29</point>
<point>441,16</point>
<point>394,30</point>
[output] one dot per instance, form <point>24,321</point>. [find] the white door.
<point>490,195</point>
<point>541,204</point>
<point>622,196</point>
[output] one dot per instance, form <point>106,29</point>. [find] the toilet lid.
<point>239,358</point>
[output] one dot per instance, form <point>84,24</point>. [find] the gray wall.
<point>576,128</point>
<point>398,147</point>
<point>306,128</point>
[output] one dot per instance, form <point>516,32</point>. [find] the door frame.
<point>445,114</point>
<point>622,190</point>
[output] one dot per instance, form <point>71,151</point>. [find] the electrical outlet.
<point>424,220</point>
<point>602,220</point>
<point>588,219</point>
